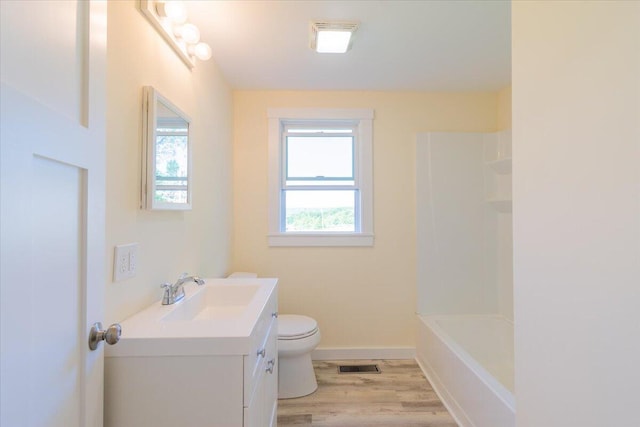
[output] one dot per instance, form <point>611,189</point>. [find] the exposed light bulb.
<point>174,10</point>
<point>202,51</point>
<point>189,33</point>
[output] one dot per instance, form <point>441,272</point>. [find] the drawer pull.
<point>274,314</point>
<point>262,352</point>
<point>270,364</point>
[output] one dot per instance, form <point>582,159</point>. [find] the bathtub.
<point>468,360</point>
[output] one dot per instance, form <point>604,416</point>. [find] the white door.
<point>52,258</point>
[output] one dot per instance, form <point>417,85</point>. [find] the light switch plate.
<point>125,261</point>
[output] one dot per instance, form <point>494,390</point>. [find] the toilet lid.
<point>292,326</point>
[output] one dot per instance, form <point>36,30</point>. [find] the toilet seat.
<point>295,327</point>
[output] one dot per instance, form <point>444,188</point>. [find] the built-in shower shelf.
<point>501,166</point>
<point>501,205</point>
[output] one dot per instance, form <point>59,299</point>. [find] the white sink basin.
<point>214,302</point>
<point>215,318</point>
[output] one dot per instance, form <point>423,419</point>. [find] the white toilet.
<point>297,337</point>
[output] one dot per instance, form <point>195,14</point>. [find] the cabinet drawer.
<point>264,340</point>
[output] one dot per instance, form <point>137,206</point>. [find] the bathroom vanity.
<point>209,360</point>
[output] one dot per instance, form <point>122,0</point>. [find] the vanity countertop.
<point>216,318</point>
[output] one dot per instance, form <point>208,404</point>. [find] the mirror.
<point>166,156</point>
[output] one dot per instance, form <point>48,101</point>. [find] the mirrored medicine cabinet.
<point>166,155</point>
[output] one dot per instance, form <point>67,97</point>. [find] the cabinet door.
<point>254,413</point>
<point>262,408</point>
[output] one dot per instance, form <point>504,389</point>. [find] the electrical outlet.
<point>125,261</point>
<point>133,259</point>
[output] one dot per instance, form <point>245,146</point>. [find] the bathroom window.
<point>320,177</point>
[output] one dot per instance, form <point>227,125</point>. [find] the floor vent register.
<point>359,369</point>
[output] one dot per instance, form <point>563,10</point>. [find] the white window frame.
<point>362,119</point>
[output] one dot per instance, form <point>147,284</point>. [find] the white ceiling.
<point>448,45</point>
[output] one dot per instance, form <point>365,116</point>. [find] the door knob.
<point>110,336</point>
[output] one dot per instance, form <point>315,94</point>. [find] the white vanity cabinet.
<point>228,379</point>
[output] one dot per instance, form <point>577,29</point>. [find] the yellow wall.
<point>197,241</point>
<point>361,297</point>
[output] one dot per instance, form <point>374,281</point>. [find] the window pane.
<point>320,210</point>
<point>313,157</point>
<point>320,181</point>
<point>314,130</point>
<point>171,196</point>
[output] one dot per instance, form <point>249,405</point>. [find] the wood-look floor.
<point>399,396</point>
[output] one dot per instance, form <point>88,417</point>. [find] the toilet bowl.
<point>297,337</point>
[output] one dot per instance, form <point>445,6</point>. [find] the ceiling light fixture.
<point>332,36</point>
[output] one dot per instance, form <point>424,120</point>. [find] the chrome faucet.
<point>174,293</point>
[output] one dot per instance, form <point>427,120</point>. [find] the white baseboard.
<point>345,353</point>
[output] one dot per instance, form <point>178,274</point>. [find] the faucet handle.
<point>166,297</point>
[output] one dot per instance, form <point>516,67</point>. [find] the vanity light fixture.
<point>202,51</point>
<point>188,33</point>
<point>174,10</point>
<point>332,36</point>
<point>169,18</point>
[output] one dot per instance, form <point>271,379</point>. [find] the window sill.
<point>314,239</point>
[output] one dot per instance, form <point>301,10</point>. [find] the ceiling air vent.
<point>332,36</point>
